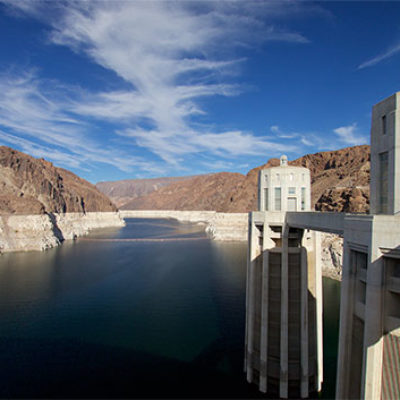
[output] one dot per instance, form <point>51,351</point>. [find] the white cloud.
<point>36,120</point>
<point>151,45</point>
<point>373,61</point>
<point>229,144</point>
<point>170,53</point>
<point>348,135</point>
<point>307,139</point>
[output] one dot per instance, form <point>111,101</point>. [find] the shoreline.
<point>45,231</point>
<point>42,232</point>
<point>219,226</point>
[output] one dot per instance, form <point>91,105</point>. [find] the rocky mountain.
<point>121,192</point>
<point>202,192</point>
<point>340,182</point>
<point>35,186</point>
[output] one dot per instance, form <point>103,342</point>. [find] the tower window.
<point>292,190</point>
<point>278,199</point>
<point>266,199</point>
<point>303,198</point>
<point>383,182</point>
<point>384,125</point>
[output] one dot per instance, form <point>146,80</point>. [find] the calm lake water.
<point>124,318</point>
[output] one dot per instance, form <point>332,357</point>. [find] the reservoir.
<point>151,310</point>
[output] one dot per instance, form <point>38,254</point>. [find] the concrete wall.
<point>367,318</point>
<point>386,142</point>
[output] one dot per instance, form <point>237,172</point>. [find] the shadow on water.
<point>74,369</point>
<point>331,304</point>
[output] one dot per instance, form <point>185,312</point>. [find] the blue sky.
<point>137,89</point>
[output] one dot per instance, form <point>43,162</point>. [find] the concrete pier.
<point>284,318</point>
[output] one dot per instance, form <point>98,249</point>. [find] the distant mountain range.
<point>34,186</point>
<point>340,182</point>
<point>122,192</point>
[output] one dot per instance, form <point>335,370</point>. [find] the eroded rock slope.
<point>34,186</point>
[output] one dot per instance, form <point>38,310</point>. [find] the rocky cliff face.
<point>340,179</point>
<point>35,186</point>
<point>340,182</point>
<point>344,199</point>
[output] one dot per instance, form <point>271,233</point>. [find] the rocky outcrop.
<point>35,186</point>
<point>344,199</point>
<point>332,255</point>
<point>41,232</point>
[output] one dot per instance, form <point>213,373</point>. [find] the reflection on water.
<point>125,319</point>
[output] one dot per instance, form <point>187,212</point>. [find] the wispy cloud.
<point>349,135</point>
<point>169,53</point>
<point>305,139</point>
<point>346,135</point>
<point>373,61</point>
<point>36,119</point>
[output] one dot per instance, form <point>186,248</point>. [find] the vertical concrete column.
<point>249,257</point>
<point>284,378</point>
<point>250,301</point>
<point>319,307</point>
<point>346,321</point>
<point>264,313</point>
<point>371,381</point>
<point>304,339</point>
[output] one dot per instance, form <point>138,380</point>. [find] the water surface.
<point>109,317</point>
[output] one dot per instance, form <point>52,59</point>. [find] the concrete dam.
<point>283,345</point>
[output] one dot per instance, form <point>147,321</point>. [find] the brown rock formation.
<point>34,186</point>
<point>122,192</point>
<point>340,182</point>
<point>203,192</point>
<point>344,199</point>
